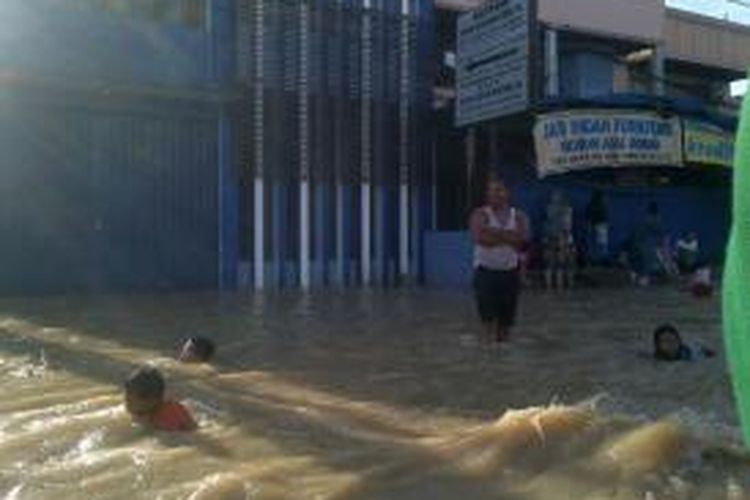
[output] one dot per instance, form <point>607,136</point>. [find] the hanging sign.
<point>579,140</point>
<point>493,61</point>
<point>707,144</point>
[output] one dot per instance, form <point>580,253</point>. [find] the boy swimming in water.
<point>197,350</point>
<point>668,346</point>
<point>144,400</point>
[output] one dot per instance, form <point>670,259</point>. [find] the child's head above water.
<point>197,350</point>
<point>144,400</point>
<point>144,393</point>
<point>668,344</point>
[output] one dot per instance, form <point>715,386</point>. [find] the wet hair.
<point>662,330</point>
<point>202,347</point>
<point>146,383</point>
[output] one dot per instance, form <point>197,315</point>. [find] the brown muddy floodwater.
<point>368,395</point>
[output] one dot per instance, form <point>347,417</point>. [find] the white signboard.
<point>577,140</point>
<point>493,61</point>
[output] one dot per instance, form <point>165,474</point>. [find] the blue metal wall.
<point>118,139</point>
<point>107,200</point>
<point>141,141</point>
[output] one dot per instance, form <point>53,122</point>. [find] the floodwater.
<point>368,395</point>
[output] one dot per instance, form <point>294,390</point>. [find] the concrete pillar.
<point>658,70</point>
<point>551,63</point>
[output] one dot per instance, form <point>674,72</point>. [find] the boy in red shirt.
<point>144,400</point>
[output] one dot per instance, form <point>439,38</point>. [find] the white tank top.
<point>503,257</point>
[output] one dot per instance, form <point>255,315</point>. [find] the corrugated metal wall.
<point>107,195</point>
<point>118,144</point>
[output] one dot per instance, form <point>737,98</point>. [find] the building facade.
<point>606,58</point>
<point>210,144</point>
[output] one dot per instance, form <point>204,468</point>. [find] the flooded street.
<point>368,395</point>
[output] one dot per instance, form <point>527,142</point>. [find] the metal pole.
<point>259,214</point>
<point>366,157</point>
<point>405,120</point>
<point>304,152</point>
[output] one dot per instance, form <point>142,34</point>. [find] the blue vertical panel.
<point>351,136</point>
<point>222,34</point>
<point>380,213</point>
<point>277,210</point>
<point>157,200</point>
<point>100,197</point>
<point>338,99</point>
<point>393,159</point>
<point>273,135</point>
<point>321,230</point>
<point>228,206</point>
<point>349,250</point>
<point>320,130</point>
<point>421,187</point>
<point>46,220</point>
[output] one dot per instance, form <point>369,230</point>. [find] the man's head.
<point>497,196</point>
<point>144,392</point>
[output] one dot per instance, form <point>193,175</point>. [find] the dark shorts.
<point>497,295</point>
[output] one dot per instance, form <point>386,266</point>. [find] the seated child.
<point>668,346</point>
<point>196,350</point>
<point>144,400</point>
<point>700,284</point>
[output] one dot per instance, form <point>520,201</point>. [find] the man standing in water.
<point>498,231</point>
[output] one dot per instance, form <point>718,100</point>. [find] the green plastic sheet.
<point>736,314</point>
